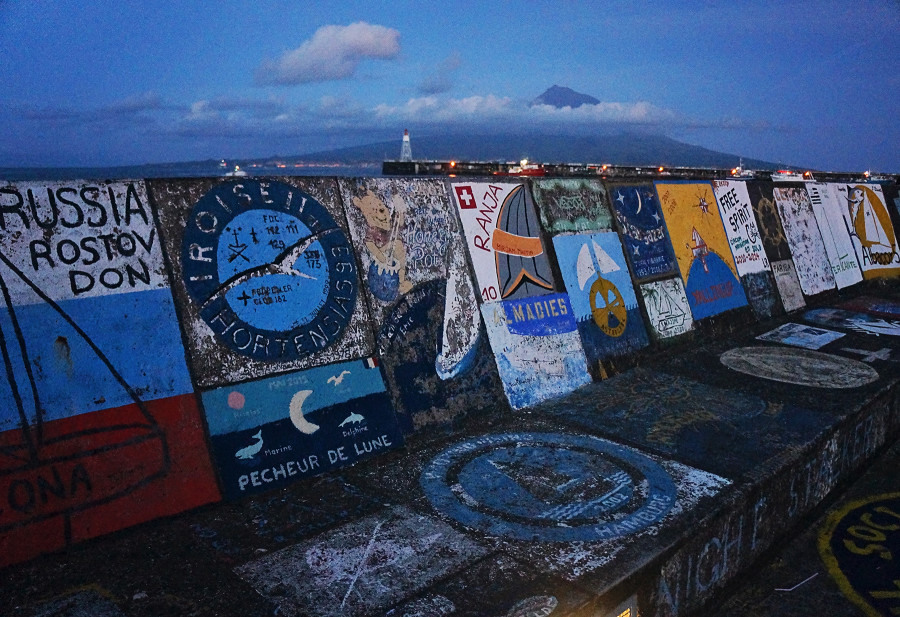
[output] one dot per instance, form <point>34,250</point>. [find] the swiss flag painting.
<point>465,197</point>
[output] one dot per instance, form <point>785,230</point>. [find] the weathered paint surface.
<point>266,434</point>
<point>602,295</point>
<point>747,247</point>
<point>552,487</point>
<point>869,223</point>
<point>720,430</point>
<point>860,545</point>
<point>503,239</point>
<point>643,230</point>
<point>731,542</point>
<point>850,320</point>
<point>265,276</point>
<point>881,307</point>
<point>788,284</point>
<point>99,409</point>
<point>426,319</point>
<point>802,233</point>
<point>799,366</point>
<point>537,347</point>
<point>775,243</point>
<point>838,244</point>
<point>362,567</point>
<point>800,335</point>
<point>667,306</point>
<point>707,267</point>
<point>569,204</point>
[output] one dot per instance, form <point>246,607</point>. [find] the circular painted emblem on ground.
<point>799,366</point>
<point>270,268</point>
<point>548,487</point>
<point>860,546</point>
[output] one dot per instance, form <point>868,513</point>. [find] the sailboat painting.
<point>95,436</point>
<point>602,294</point>
<point>667,308</point>
<point>869,223</point>
<point>702,249</point>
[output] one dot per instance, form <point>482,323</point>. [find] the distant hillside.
<point>560,96</point>
<point>620,149</point>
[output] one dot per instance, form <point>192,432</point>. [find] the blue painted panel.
<point>602,294</point>
<point>541,316</point>
<point>712,287</point>
<point>269,433</point>
<point>549,487</point>
<point>643,230</point>
<point>135,333</point>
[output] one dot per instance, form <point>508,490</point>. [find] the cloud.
<point>442,78</point>
<point>333,53</point>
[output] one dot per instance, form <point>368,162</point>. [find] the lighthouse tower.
<point>406,149</point>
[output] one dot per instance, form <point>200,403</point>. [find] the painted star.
<point>637,250</point>
<point>656,217</point>
<point>621,199</point>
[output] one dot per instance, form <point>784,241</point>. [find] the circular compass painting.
<point>272,272</point>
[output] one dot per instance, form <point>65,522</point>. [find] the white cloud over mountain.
<point>333,53</point>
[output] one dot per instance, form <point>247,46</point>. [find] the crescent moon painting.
<point>296,412</point>
<point>640,205</point>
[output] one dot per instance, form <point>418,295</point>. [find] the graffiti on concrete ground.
<point>799,366</point>
<point>549,487</point>
<point>860,546</point>
<point>850,320</point>
<point>362,567</point>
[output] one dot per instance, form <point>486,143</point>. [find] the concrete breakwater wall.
<point>172,343</point>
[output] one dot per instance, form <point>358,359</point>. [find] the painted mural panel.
<point>788,284</point>
<point>869,223</point>
<point>747,247</point>
<point>269,433</point>
<point>740,226</point>
<point>572,204</point>
<point>667,308</point>
<point>98,414</point>
<point>537,347</point>
<point>762,198</point>
<point>647,246</point>
<point>838,245</point>
<point>503,239</point>
<point>428,329</point>
<point>701,247</point>
<point>802,233</point>
<point>264,273</point>
<point>601,293</point>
